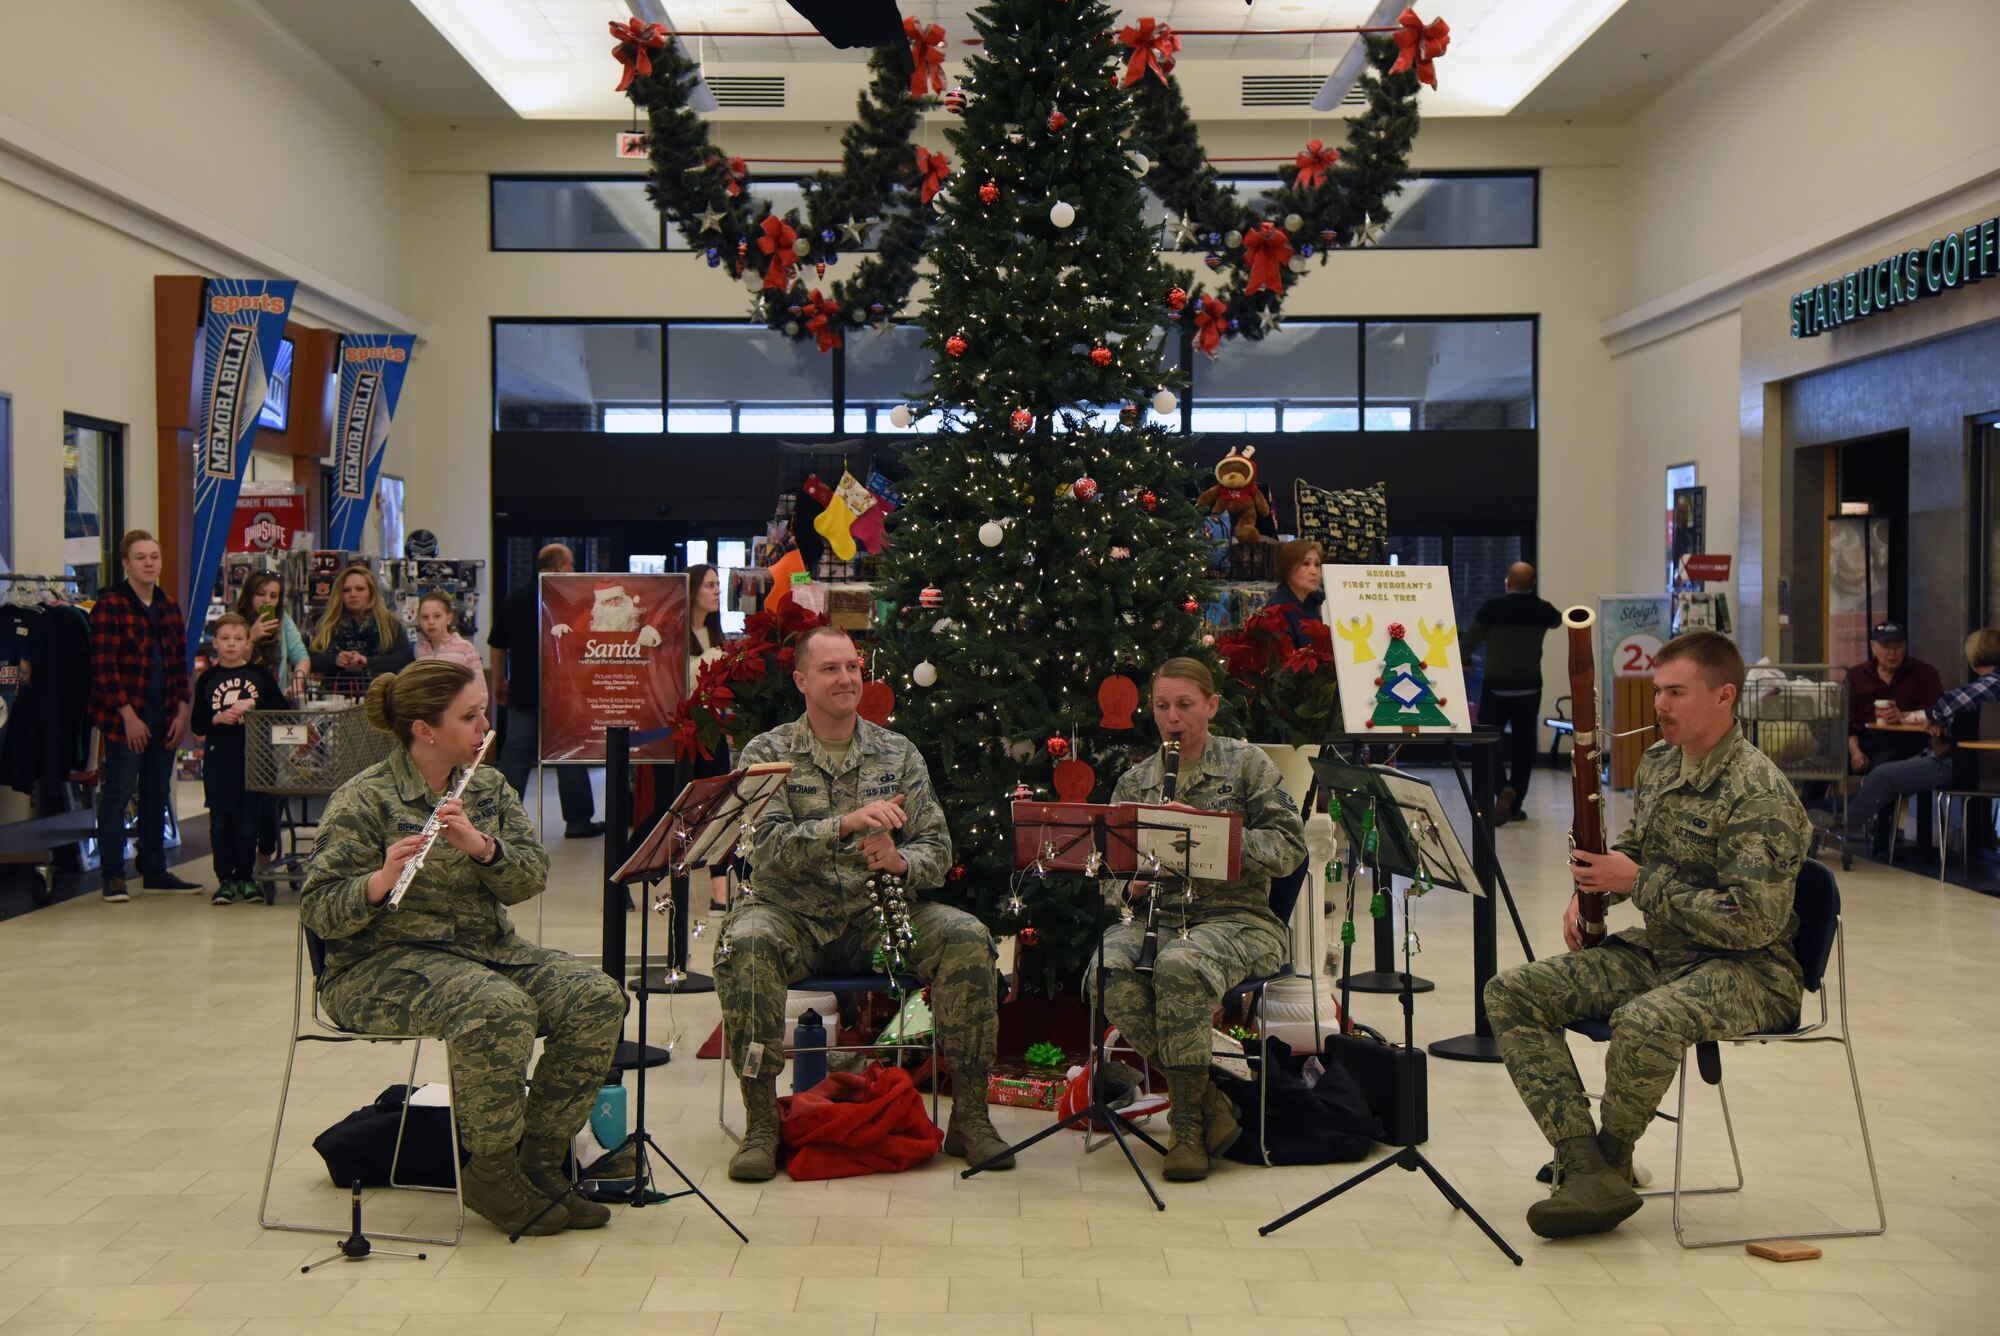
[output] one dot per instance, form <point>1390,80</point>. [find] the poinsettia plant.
<point>748,688</point>
<point>1288,690</point>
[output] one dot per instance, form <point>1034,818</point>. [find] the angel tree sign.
<point>614,651</point>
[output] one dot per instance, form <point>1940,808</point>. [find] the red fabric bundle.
<point>846,1125</point>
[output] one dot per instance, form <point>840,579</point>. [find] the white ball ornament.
<point>1164,402</point>
<point>802,248</point>
<point>1293,222</point>
<point>1232,238</point>
<point>990,533</point>
<point>924,674</point>
<point>1297,264</point>
<point>941,201</point>
<point>1062,213</point>
<point>791,329</point>
<point>1141,164</point>
<point>900,416</point>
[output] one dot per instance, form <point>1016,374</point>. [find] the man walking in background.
<point>516,643</point>
<point>1512,628</point>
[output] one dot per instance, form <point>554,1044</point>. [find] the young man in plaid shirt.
<point>139,698</point>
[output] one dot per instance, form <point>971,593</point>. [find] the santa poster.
<point>1395,649</point>
<point>614,651</point>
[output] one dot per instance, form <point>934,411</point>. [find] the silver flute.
<point>434,826</point>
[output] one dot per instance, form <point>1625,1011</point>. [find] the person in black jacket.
<point>1297,567</point>
<point>223,695</point>
<point>1512,627</point>
<point>358,639</point>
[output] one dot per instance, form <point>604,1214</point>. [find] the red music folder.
<point>1063,836</point>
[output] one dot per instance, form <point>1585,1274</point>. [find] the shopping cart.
<point>1796,714</point>
<point>305,754</point>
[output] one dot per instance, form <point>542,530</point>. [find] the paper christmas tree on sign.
<point>1403,694</point>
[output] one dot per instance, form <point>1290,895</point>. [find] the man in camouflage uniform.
<point>447,964</point>
<point>1710,859</point>
<point>1208,944</point>
<point>858,803</point>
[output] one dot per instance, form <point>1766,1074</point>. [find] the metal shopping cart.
<point>306,754</point>
<point>1796,714</point>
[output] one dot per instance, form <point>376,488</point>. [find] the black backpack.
<point>1324,1123</point>
<point>362,1145</point>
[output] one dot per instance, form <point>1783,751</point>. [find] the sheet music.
<point>760,784</point>
<point>1205,845</point>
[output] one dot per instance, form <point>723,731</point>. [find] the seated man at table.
<point>858,803</point>
<point>1953,717</point>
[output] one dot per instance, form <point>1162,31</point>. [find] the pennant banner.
<point>243,320</point>
<point>371,380</point>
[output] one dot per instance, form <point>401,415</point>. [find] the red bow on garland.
<point>934,168</point>
<point>824,320</point>
<point>637,41</point>
<point>1267,249</point>
<point>927,50</point>
<point>777,243</point>
<point>1314,160</point>
<point>1153,46</point>
<point>736,172</point>
<point>1421,44</point>
<point>1210,323</point>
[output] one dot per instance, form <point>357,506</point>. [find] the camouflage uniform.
<point>1232,933</point>
<point>1718,842</point>
<point>448,965</point>
<point>806,909</point>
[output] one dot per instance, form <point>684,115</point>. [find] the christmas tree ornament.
<point>1149,501</point>
<point>924,674</point>
<point>1419,44</point>
<point>1141,164</point>
<point>1306,249</point>
<point>1021,792</point>
<point>931,596</point>
<point>878,701</point>
<point>989,193</point>
<point>828,235</point>
<point>1378,905</point>
<point>990,534</point>
<point>954,101</point>
<point>1165,403</point>
<point>1100,356</point>
<point>792,329</point>
<point>1293,222</point>
<point>1057,121</point>
<point>1022,420</point>
<point>900,417</point>
<point>1347,933</point>
<point>957,872</point>
<point>1117,698</point>
<point>713,256</point>
<point>1297,264</point>
<point>1058,746</point>
<point>802,248</point>
<point>1213,261</point>
<point>1190,604</point>
<point>941,201</point>
<point>1062,213</point>
<point>1176,298</point>
<point>1328,236</point>
<point>956,345</point>
<point>819,268</point>
<point>1313,162</point>
<point>1121,553</point>
<point>1030,937</point>
<point>1084,489</point>
<point>1073,780</point>
<point>1232,239</point>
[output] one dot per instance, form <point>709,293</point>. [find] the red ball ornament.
<point>1190,604</point>
<point>1022,420</point>
<point>954,101</point>
<point>1100,356</point>
<point>1176,298</point>
<point>957,872</point>
<point>1058,746</point>
<point>1084,489</point>
<point>1149,500</point>
<point>1128,412</point>
<point>931,596</point>
<point>1057,121</point>
<point>1396,631</point>
<point>1029,937</point>
<point>1022,792</point>
<point>956,345</point>
<point>989,193</point>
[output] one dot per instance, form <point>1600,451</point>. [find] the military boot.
<point>971,1135</point>
<point>495,1187</point>
<point>756,1158</point>
<point>542,1161</point>
<point>1187,1148</point>
<point>1591,1195</point>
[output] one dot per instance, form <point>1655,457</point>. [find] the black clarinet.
<point>1170,783</point>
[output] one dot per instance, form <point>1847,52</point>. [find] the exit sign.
<point>632,144</point>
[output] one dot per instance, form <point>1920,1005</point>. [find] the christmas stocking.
<point>869,509</point>
<point>836,521</point>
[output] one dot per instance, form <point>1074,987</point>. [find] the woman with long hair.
<point>1211,935</point>
<point>445,962</point>
<point>358,639</point>
<point>275,641</point>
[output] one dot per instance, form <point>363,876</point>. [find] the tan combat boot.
<point>1591,1195</point>
<point>1220,1122</point>
<point>495,1187</point>
<point>971,1135</point>
<point>1187,1148</point>
<point>542,1161</point>
<point>756,1159</point>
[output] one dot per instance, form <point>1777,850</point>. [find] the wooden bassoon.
<point>1586,831</point>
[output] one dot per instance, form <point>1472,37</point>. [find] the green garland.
<point>690,183</point>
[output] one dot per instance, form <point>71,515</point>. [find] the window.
<point>1449,375</point>
<point>93,500</point>
<point>575,377</point>
<point>570,214</point>
<point>1302,377</point>
<point>744,378</point>
<point>1435,211</point>
<point>884,370</point>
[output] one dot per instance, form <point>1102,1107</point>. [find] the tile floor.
<point>143,1046</point>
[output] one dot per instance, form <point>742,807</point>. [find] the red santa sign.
<point>614,652</point>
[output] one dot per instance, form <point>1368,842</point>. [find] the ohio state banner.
<point>242,321</point>
<point>614,650</point>
<point>371,380</point>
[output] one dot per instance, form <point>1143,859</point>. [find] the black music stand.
<point>1074,836</point>
<point>1393,832</point>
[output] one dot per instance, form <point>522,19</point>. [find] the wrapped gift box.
<point>1015,1085</point>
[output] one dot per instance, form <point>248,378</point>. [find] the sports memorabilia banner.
<point>371,380</point>
<point>242,322</point>
<point>614,650</point>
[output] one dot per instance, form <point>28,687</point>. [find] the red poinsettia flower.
<point>748,668</point>
<point>785,660</point>
<point>1320,634</point>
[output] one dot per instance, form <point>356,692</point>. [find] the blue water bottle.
<point>809,1051</point>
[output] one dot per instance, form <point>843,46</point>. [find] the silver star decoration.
<point>856,231</point>
<point>1269,321</point>
<point>757,314</point>
<point>1368,233</point>
<point>1185,232</point>
<point>709,220</point>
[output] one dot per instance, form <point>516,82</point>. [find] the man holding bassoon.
<point>1710,859</point>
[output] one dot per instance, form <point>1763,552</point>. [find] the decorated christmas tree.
<point>1404,696</point>
<point>1048,558</point>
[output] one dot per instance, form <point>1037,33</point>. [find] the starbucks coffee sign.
<point>1950,261</point>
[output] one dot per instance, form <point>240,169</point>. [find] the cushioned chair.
<point>312,950</point>
<point>842,985</point>
<point>1816,900</point>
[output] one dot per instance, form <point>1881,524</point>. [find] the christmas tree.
<point>1048,558</point>
<point>1403,694</point>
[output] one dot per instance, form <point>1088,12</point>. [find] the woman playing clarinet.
<point>1210,935</point>
<point>445,963</point>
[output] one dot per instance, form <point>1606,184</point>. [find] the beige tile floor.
<point>143,1045</point>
